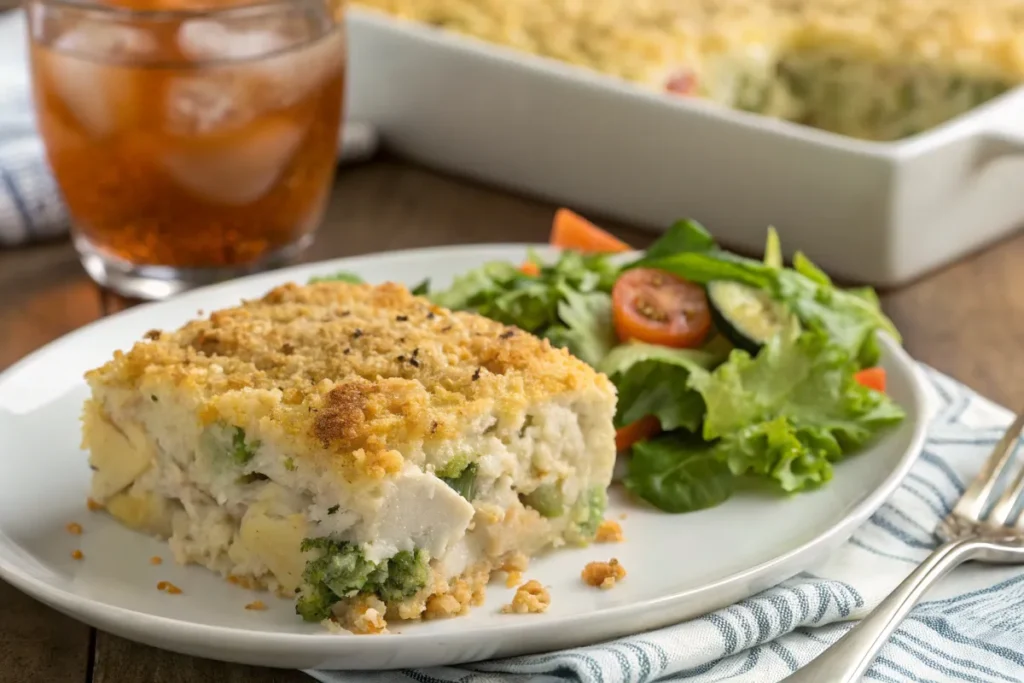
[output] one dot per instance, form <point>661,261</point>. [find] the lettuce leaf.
<point>676,473</point>
<point>567,302</point>
<point>654,380</point>
<point>792,411</point>
<point>587,330</point>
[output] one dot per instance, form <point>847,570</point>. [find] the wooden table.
<point>967,321</point>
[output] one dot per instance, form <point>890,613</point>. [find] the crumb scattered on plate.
<point>168,587</point>
<point>74,528</point>
<point>92,505</point>
<point>603,575</point>
<point>256,605</point>
<point>623,515</point>
<point>609,531</point>
<point>530,598</point>
<point>156,559</point>
<point>77,554</point>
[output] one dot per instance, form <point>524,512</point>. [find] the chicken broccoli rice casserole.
<point>878,70</point>
<point>356,447</point>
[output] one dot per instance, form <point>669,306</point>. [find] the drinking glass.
<point>192,140</point>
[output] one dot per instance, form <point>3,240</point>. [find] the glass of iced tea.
<point>192,140</point>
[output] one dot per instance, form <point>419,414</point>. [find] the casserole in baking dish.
<point>877,70</point>
<point>881,212</point>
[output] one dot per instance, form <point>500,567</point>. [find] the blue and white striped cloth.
<point>970,629</point>
<point>30,203</point>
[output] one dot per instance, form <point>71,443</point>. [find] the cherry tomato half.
<point>656,307</point>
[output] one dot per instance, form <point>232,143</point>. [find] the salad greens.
<point>779,415</point>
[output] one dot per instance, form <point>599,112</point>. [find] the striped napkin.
<point>970,629</point>
<point>30,204</point>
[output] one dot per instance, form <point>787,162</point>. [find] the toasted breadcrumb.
<point>514,577</point>
<point>441,606</point>
<point>168,587</point>
<point>256,605</point>
<point>92,505</point>
<point>74,528</point>
<point>367,617</point>
<point>77,554</point>
<point>530,598</point>
<point>156,560</point>
<point>609,531</point>
<point>514,566</point>
<point>603,575</point>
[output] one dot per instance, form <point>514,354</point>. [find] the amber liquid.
<point>194,164</point>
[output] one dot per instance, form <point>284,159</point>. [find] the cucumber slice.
<point>748,317</point>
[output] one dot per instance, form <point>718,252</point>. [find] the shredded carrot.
<point>74,528</point>
<point>644,428</point>
<point>93,505</point>
<point>872,378</point>
<point>572,231</point>
<point>77,554</point>
<point>530,268</point>
<point>156,560</point>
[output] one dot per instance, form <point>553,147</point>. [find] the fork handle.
<point>848,658</point>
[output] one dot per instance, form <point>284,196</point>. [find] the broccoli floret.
<point>407,573</point>
<point>546,499</point>
<point>589,511</point>
<point>315,602</point>
<point>453,468</point>
<point>241,452</point>
<point>341,570</point>
<point>341,276</point>
<point>464,482</point>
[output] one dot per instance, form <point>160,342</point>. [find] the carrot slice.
<point>572,231</point>
<point>634,432</point>
<point>530,268</point>
<point>872,378</point>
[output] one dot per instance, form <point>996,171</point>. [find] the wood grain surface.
<point>967,320</point>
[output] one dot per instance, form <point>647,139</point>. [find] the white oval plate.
<point>679,566</point>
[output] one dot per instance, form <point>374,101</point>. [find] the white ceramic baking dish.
<point>881,213</point>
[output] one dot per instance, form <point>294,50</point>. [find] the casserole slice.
<point>352,446</point>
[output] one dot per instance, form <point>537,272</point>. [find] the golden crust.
<point>350,373</point>
<point>640,39</point>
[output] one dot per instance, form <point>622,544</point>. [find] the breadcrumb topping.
<point>156,560</point>
<point>609,531</point>
<point>530,598</point>
<point>77,554</point>
<point>329,366</point>
<point>92,505</point>
<point>603,575</point>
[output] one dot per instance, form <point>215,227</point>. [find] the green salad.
<point>731,372</point>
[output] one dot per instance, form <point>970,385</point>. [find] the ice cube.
<point>294,75</point>
<point>206,39</point>
<point>236,168</point>
<point>216,99</point>
<point>102,96</point>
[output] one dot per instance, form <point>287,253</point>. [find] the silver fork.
<point>967,533</point>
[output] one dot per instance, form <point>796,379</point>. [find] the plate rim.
<point>91,610</point>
